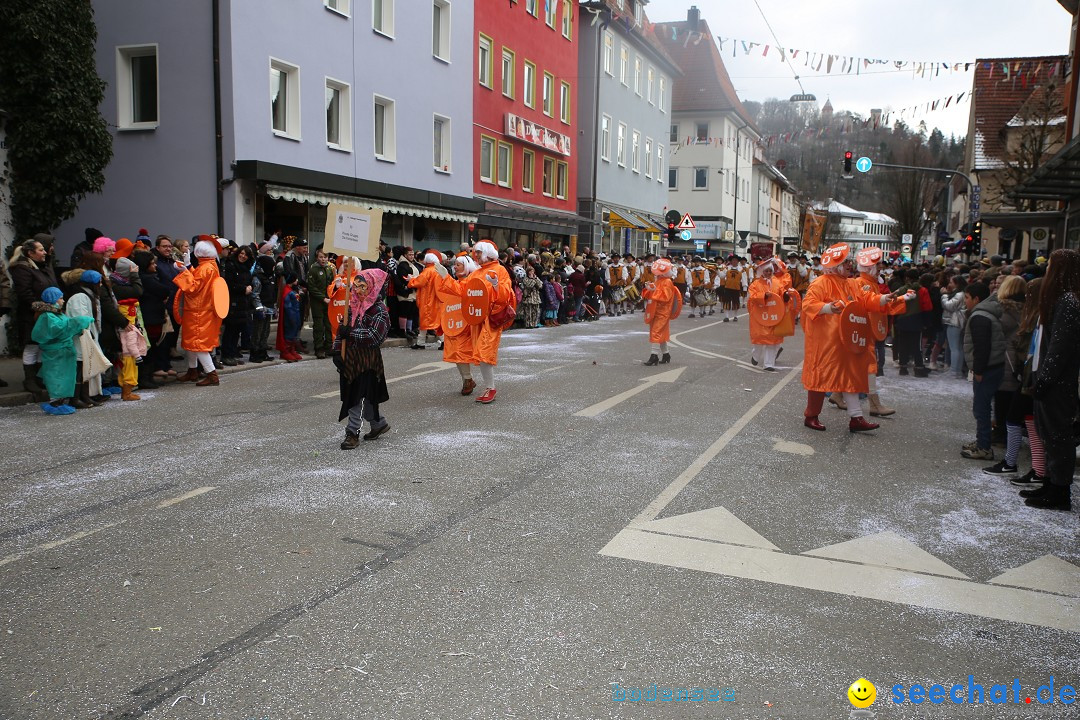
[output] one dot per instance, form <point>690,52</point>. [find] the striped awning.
<point>315,197</point>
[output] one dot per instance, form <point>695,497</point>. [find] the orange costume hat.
<point>661,267</point>
<point>835,255</point>
<point>868,257</point>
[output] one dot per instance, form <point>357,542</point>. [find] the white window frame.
<point>485,68</point>
<point>490,169</point>
<point>531,8</point>
<point>673,133</point>
<point>445,146</point>
<point>648,157</point>
<point>706,176</point>
<point>509,181</point>
<point>125,86</point>
<point>660,98</point>
<point>551,12</point>
<point>444,30</point>
<point>387,7</point>
<point>609,53</point>
<point>292,99</point>
<point>344,141</point>
<point>660,162</point>
<point>673,174</point>
<point>564,101</point>
<point>650,81</point>
<point>528,163</point>
<point>637,75</point>
<point>697,132</point>
<point>389,153</point>
<point>624,66</point>
<point>620,148</point>
<point>568,20</point>
<point>635,147</point>
<point>529,80</point>
<point>508,54</point>
<point>605,138</point>
<point>562,179</point>
<point>548,95</point>
<point>547,187</point>
<point>341,7</point>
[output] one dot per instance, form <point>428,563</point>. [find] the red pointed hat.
<point>835,255</point>
<point>869,256</point>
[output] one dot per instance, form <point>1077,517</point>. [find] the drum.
<point>632,293</point>
<point>618,294</point>
<point>701,297</point>
<point>710,297</point>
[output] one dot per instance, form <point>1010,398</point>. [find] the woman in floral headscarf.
<point>359,360</point>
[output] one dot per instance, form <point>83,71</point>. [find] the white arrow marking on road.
<point>887,549</point>
<point>434,368</point>
<point>186,496</point>
<point>1048,573</point>
<point>667,377</point>
<point>55,543</point>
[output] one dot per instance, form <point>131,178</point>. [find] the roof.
<point>705,85</point>
<point>999,96</point>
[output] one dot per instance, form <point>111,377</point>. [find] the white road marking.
<point>890,550</point>
<point>186,496</point>
<point>700,353</point>
<point>435,367</point>
<point>792,448</point>
<point>904,587</point>
<point>1048,573</point>
<point>55,544</point>
<point>675,341</point>
<point>647,382</point>
<point>657,506</point>
<point>713,524</point>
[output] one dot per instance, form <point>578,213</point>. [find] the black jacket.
<point>155,298</point>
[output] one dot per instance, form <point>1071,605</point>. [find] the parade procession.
<point>539,359</point>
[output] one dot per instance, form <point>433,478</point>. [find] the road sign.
<point>673,216</point>
<point>864,164</point>
<point>906,249</point>
<point>686,235</point>
<point>687,223</point>
<point>906,238</point>
<point>1040,238</point>
<point>729,235</point>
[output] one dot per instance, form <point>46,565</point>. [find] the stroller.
<point>590,306</point>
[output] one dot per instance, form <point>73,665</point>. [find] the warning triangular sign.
<point>687,223</point>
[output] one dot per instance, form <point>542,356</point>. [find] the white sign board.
<point>1040,238</point>
<point>906,238</point>
<point>352,230</point>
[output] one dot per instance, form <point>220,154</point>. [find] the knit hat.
<point>123,248</point>
<point>143,235</point>
<point>51,295</point>
<point>92,234</point>
<point>103,244</point>
<point>143,258</point>
<point>91,276</point>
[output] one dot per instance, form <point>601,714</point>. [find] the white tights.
<point>659,348</point>
<point>487,376</point>
<point>465,370</point>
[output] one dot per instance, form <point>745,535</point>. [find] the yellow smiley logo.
<point>862,693</point>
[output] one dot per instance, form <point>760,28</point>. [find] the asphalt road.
<point>211,553</point>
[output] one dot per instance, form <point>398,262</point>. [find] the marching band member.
<point>458,348</point>
<point>680,275</point>
<point>699,283</point>
<point>616,279</point>
<point>800,273</point>
<point>733,283</point>
<point>633,270</point>
<point>663,301</point>
<point>427,301</point>
<point>772,277</point>
<point>485,338</point>
<point>828,365</point>
<point>710,287</point>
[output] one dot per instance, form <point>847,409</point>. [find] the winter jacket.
<point>530,290</point>
<point>155,298</point>
<point>984,336</point>
<point>319,279</point>
<point>1059,361</point>
<point>578,283</point>
<point>238,278</point>
<point>952,308</point>
<point>28,280</point>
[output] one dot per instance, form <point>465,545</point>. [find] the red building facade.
<point>525,120</point>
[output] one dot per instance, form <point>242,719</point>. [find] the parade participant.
<point>733,279</point>
<point>55,335</point>
<point>487,334</point>
<point>200,325</point>
<point>83,286</point>
<point>426,285</point>
<point>699,282</point>
<point>616,280</point>
<point>359,360</point>
<point>680,276</point>
<point>772,279</point>
<point>829,366</point>
<point>800,273</point>
<point>663,301</point>
<point>633,294</point>
<point>710,286</point>
<point>868,261</point>
<point>457,339</point>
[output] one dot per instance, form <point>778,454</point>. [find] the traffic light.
<point>708,246</point>
<point>672,232</point>
<point>847,161</point>
<point>976,237</point>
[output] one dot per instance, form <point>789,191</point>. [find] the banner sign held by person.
<point>353,230</point>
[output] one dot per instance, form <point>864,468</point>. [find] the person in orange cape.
<point>868,260</point>
<point>663,302</point>
<point>485,337</point>
<point>828,365</point>
<point>458,348</point>
<point>201,326</point>
<point>427,300</point>
<point>771,277</point>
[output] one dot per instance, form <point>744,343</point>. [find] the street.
<point>601,527</point>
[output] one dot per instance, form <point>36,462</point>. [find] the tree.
<point>911,191</point>
<point>1031,138</point>
<point>58,142</point>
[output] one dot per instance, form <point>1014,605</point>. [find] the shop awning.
<point>315,197</point>
<point>523,216</point>
<point>1057,179</point>
<point>623,219</point>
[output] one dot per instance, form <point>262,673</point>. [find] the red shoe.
<point>813,423</point>
<point>859,424</point>
<point>487,397</point>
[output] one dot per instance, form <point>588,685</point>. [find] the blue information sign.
<point>864,164</point>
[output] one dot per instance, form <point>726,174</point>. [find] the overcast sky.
<point>949,31</point>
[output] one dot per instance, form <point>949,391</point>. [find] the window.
<point>560,181</point>
<point>483,60</point>
<point>660,162</point>
<point>620,155</point>
<point>550,9</point>
<point>637,75</point>
<point>648,157</point>
<point>487,159</point>
<point>530,7</point>
<point>137,86</point>
<point>385,129</point>
<point>528,170</point>
<point>549,93</point>
<point>382,17</point>
<point>605,138</point>
<point>701,178</point>
<point>505,163</point>
<point>530,84</point>
<point>564,102</point>
<point>635,144</point>
<point>549,172</point>
<point>338,115</point>
<point>440,143</point>
<point>440,29</point>
<point>673,178</point>
<point>673,136</point>
<point>624,66</point>
<point>609,53</point>
<point>649,86</point>
<point>285,99</point>
<point>508,73</point>
<point>567,20</point>
<point>702,130</point>
<point>338,6</point>
<point>660,99</point>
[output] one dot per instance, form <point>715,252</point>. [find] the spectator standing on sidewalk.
<point>30,276</point>
<point>984,351</point>
<point>320,277</point>
<point>952,316</point>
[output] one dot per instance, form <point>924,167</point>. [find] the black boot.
<point>32,384</point>
<point>665,359</point>
<point>1051,497</point>
<point>653,360</point>
<point>146,377</point>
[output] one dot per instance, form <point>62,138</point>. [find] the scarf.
<point>359,305</point>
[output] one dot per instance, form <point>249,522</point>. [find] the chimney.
<point>693,15</point>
